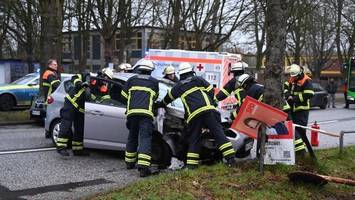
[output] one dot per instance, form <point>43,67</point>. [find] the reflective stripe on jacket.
<point>196,94</point>
<point>302,92</point>
<point>50,82</point>
<point>140,93</point>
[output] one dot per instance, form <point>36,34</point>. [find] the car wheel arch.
<point>12,95</point>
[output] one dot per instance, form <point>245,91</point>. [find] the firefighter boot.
<point>230,162</point>
<point>63,152</point>
<point>130,165</point>
<point>144,172</point>
<point>81,153</point>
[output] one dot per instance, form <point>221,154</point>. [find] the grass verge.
<point>14,116</point>
<point>245,182</point>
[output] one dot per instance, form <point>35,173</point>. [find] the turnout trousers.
<point>301,118</point>
<point>71,116</point>
<point>139,138</point>
<point>211,120</point>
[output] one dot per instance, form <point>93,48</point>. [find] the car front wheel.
<point>161,152</point>
<point>54,130</point>
<point>7,102</point>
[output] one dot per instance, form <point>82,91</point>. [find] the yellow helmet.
<point>169,70</point>
<point>295,70</point>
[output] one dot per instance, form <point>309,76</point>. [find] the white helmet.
<point>243,78</point>
<point>124,66</point>
<point>146,65</point>
<point>238,66</point>
<point>295,70</point>
<point>169,70</point>
<point>184,68</point>
<point>108,72</point>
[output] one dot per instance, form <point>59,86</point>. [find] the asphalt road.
<point>43,175</point>
<point>31,168</point>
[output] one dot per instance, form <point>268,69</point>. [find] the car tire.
<point>161,152</point>
<point>54,130</point>
<point>7,102</point>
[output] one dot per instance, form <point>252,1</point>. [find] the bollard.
<point>314,134</point>
<point>341,141</point>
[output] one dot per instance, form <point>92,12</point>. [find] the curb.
<point>18,123</point>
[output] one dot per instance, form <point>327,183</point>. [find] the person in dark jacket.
<point>169,73</point>
<point>232,86</point>
<point>298,95</point>
<point>331,88</point>
<point>200,112</point>
<point>140,93</point>
<point>50,79</point>
<point>72,113</point>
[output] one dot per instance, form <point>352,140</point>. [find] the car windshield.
<point>24,80</point>
<point>163,90</point>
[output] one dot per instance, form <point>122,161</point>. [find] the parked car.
<point>38,106</point>
<point>105,126</point>
<point>320,98</point>
<point>19,92</point>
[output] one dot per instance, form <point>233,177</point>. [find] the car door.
<point>28,91</point>
<point>105,125</point>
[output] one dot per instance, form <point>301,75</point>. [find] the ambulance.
<point>212,66</point>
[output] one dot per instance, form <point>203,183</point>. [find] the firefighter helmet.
<point>242,79</point>
<point>184,68</point>
<point>238,66</point>
<point>295,70</point>
<point>108,72</point>
<point>124,66</point>
<point>169,70</point>
<point>146,65</point>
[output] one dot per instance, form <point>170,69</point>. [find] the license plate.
<point>249,145</point>
<point>36,112</point>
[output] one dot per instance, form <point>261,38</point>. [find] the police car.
<point>19,92</point>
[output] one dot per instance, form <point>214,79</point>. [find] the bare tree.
<point>24,26</point>
<point>255,26</point>
<point>4,22</point>
<point>106,17</point>
<point>83,17</point>
<point>275,50</point>
<point>51,30</point>
<point>321,40</point>
<point>298,11</point>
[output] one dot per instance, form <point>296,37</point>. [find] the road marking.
<point>26,151</point>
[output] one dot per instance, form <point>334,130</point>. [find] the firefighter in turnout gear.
<point>200,112</point>
<point>50,79</point>
<point>169,73</point>
<point>73,113</point>
<point>140,93</point>
<point>100,90</point>
<point>233,87</point>
<point>298,92</point>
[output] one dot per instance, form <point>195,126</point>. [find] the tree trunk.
<point>51,31</point>
<point>275,50</point>
<point>339,8</point>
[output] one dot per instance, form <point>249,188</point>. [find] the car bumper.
<point>38,113</point>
